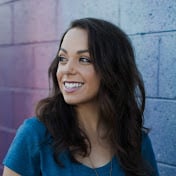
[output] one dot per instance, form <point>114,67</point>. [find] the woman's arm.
<point>9,172</point>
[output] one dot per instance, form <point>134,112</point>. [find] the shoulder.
<point>32,129</point>
<point>32,123</point>
<point>23,155</point>
<point>30,136</point>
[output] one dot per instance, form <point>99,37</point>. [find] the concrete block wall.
<point>28,43</point>
<point>29,37</point>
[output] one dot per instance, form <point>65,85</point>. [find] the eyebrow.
<point>78,52</point>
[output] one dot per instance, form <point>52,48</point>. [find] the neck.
<point>88,116</point>
<point>101,151</point>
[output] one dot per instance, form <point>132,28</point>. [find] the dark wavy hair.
<point>121,99</point>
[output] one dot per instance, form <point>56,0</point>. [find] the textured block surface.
<point>166,170</point>
<point>43,56</point>
<point>167,71</point>
<point>35,20</point>
<point>161,118</point>
<point>6,104</point>
<point>4,1</point>
<point>6,138</point>
<point>147,16</point>
<point>24,103</point>
<point>5,25</point>
<point>146,51</point>
<point>70,10</point>
<point>16,67</point>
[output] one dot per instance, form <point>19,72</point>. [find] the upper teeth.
<point>72,85</point>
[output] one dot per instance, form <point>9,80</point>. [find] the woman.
<point>92,122</point>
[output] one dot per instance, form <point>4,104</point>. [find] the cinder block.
<point>24,103</point>
<point>6,137</point>
<point>35,20</point>
<point>5,24</point>
<point>166,170</point>
<point>68,11</point>
<point>43,56</point>
<point>146,51</point>
<point>1,169</point>
<point>147,16</point>
<point>3,1</point>
<point>160,116</point>
<point>6,117</point>
<point>21,69</point>
<point>22,107</point>
<point>16,66</point>
<point>40,79</point>
<point>167,73</point>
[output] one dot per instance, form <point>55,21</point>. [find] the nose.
<point>70,67</point>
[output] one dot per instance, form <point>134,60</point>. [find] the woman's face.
<point>76,75</point>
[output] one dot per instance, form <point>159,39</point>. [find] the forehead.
<point>75,37</point>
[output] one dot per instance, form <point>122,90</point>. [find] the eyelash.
<point>62,59</point>
<point>84,60</point>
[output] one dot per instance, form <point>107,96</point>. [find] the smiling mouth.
<point>73,85</point>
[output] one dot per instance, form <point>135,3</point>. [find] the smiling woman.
<point>77,78</point>
<point>92,122</point>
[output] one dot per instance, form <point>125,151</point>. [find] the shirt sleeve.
<point>148,154</point>
<point>23,156</point>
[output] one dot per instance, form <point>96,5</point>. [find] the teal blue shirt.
<point>31,154</point>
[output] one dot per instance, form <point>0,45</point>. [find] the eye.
<point>62,60</point>
<point>85,60</point>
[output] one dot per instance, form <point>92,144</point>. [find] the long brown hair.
<point>121,98</point>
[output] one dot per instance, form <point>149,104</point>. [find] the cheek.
<point>94,79</point>
<point>97,80</point>
<point>59,76</point>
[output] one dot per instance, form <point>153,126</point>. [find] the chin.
<point>71,102</point>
